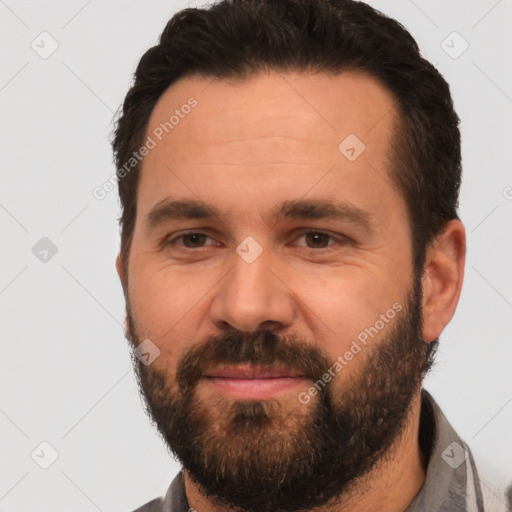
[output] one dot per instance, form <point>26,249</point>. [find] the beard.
<point>282,455</point>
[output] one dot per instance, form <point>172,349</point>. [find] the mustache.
<point>261,348</point>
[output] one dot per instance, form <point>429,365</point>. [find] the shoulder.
<point>156,505</point>
<point>175,499</point>
<point>496,488</point>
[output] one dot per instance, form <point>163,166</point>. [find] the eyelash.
<point>339,239</point>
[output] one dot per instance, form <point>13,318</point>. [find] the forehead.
<point>275,134</point>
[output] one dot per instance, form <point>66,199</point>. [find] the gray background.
<point>65,374</point>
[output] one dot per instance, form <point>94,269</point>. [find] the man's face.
<point>247,292</point>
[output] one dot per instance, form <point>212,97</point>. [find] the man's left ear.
<point>442,279</point>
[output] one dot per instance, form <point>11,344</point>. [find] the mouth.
<point>253,382</point>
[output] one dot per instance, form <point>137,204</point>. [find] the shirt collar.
<point>444,489</point>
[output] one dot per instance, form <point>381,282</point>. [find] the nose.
<point>252,296</point>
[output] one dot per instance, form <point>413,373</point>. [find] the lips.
<point>246,382</point>
<point>251,372</point>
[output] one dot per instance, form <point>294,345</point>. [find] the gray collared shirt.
<point>452,481</point>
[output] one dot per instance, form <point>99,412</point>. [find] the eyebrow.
<point>180,209</point>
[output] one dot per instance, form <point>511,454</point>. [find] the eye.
<point>318,239</point>
<point>192,240</point>
<point>314,240</point>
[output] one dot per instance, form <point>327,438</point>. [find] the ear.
<point>120,269</point>
<point>442,279</point>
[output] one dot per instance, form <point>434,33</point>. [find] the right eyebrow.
<point>178,209</point>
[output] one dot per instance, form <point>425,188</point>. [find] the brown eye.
<point>318,239</point>
<point>194,238</point>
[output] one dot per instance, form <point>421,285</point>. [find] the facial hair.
<point>263,455</point>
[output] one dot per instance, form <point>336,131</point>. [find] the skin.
<point>247,146</point>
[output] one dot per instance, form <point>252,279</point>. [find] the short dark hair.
<point>240,38</point>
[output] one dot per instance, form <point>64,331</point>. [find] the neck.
<point>390,486</point>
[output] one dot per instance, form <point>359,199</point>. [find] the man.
<point>291,251</point>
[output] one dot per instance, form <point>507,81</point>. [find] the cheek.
<point>168,305</point>
<point>337,307</point>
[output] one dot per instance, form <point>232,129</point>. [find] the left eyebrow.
<point>324,209</point>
